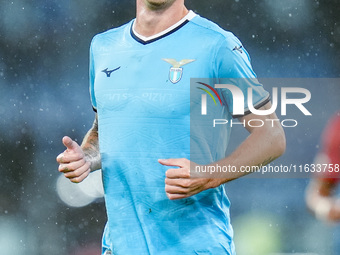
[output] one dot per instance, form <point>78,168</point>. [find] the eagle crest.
<point>176,71</point>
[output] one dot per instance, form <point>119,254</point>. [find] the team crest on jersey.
<point>176,71</point>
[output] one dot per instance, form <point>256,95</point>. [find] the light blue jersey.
<point>140,88</point>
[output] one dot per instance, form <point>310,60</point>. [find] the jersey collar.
<point>149,39</point>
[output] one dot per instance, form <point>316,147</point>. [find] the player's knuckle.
<point>168,174</point>
<point>187,174</point>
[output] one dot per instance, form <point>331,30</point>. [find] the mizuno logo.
<point>109,72</point>
<point>239,48</point>
<point>176,71</point>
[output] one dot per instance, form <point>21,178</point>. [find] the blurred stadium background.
<point>44,96</point>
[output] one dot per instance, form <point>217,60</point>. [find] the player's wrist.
<point>215,182</point>
<point>93,161</point>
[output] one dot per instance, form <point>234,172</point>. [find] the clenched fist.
<point>72,162</point>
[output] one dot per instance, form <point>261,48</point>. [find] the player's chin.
<point>158,4</point>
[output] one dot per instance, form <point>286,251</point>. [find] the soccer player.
<point>140,90</point>
<point>320,196</point>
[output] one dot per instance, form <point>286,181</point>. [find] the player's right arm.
<point>77,161</point>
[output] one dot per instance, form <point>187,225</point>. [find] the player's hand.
<point>72,161</point>
<point>179,184</point>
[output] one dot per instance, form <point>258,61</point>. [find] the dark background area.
<point>44,96</point>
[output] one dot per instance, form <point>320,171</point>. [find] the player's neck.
<point>153,21</point>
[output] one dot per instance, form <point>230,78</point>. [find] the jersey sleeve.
<point>234,67</point>
<point>92,78</point>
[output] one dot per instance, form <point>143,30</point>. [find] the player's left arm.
<point>263,145</point>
